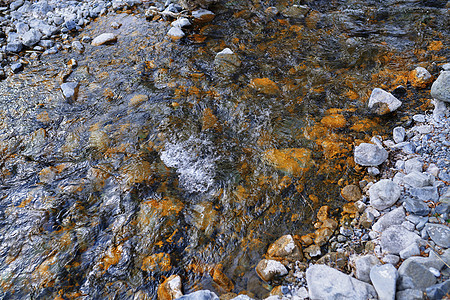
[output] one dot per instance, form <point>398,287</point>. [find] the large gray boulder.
<point>396,238</point>
<point>384,279</point>
<point>382,102</point>
<point>31,37</point>
<point>326,283</point>
<point>384,194</point>
<point>413,275</point>
<point>440,234</point>
<point>440,90</point>
<point>369,155</point>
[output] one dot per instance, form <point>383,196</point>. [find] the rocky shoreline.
<point>393,239</point>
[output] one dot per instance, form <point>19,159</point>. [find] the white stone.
<point>384,279</point>
<point>326,283</point>
<point>369,155</point>
<point>380,96</point>
<point>396,238</point>
<point>181,22</point>
<point>384,194</point>
<point>103,39</point>
<point>175,33</point>
<point>394,217</point>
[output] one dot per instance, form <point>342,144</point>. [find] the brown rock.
<point>265,86</point>
<point>313,251</point>
<point>307,239</point>
<point>268,269</point>
<point>322,214</point>
<point>295,161</point>
<point>330,223</point>
<point>420,78</point>
<point>285,248</point>
<point>351,193</point>
<point>322,236</point>
<point>170,289</point>
<point>334,121</point>
<point>335,260</point>
<point>276,291</point>
<point>221,279</point>
<point>137,99</point>
<point>349,209</point>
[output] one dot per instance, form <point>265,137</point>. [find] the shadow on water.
<point>163,165</point>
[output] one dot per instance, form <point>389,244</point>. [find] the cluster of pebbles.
<point>29,29</point>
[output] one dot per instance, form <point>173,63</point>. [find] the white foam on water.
<point>194,160</point>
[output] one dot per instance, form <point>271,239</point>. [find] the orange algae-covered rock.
<point>137,170</point>
<point>323,212</point>
<point>221,279</point>
<point>285,248</point>
<point>157,262</point>
<point>265,86</point>
<point>209,120</point>
<point>295,161</point>
<point>420,78</point>
<point>170,289</point>
<point>334,121</point>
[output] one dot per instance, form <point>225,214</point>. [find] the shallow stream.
<point>163,165</point>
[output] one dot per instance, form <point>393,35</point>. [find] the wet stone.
<point>70,90</point>
<point>226,62</point>
<point>104,38</point>
<point>16,67</point>
<point>170,288</point>
<point>285,247</point>
<point>351,193</point>
<point>382,102</point>
<point>181,22</point>
<point>295,11</point>
<point>203,16</point>
<point>268,270</point>
<point>175,33</point>
<point>420,77</point>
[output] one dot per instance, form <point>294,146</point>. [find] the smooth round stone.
<point>104,39</point>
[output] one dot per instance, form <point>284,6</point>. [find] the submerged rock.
<point>104,38</point>
<point>268,269</point>
<point>286,248</point>
<point>328,284</point>
<point>382,102</point>
<point>226,62</point>
<point>70,90</point>
<point>420,77</point>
